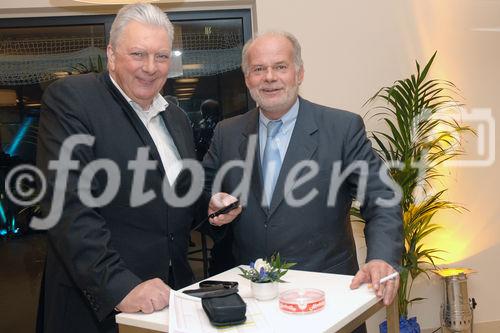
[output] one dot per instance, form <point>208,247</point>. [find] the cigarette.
<point>389,277</point>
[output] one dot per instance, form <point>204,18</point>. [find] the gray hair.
<point>297,56</point>
<point>142,13</point>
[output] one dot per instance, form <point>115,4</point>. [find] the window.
<point>205,77</point>
<point>210,85</point>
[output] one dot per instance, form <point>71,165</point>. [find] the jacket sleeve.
<point>384,227</point>
<point>211,164</point>
<point>80,238</point>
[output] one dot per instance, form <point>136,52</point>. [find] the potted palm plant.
<point>418,139</point>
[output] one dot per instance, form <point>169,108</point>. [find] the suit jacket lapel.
<point>178,133</point>
<point>302,146</point>
<point>252,128</point>
<point>175,132</point>
<point>137,124</point>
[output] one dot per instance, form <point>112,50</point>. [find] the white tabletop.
<point>342,304</point>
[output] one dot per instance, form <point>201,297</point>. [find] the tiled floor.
<point>21,264</point>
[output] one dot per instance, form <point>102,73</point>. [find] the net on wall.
<point>31,69</point>
<point>212,62</point>
<point>43,46</point>
<point>211,41</point>
<point>211,53</point>
<point>30,61</point>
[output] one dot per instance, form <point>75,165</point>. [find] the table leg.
<point>392,313</point>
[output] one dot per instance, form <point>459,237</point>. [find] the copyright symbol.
<point>18,179</point>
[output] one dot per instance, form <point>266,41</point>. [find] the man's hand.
<point>148,296</point>
<point>219,201</point>
<point>372,272</point>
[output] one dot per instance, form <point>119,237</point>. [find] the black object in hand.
<point>225,210</point>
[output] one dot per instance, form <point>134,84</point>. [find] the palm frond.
<point>419,138</point>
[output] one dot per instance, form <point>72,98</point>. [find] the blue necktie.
<point>271,161</point>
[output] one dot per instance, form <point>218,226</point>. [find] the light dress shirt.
<point>282,139</point>
<point>155,125</point>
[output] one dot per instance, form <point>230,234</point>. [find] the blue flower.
<point>262,273</point>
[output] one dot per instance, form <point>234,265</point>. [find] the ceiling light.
<point>192,66</point>
<point>184,94</point>
<point>187,80</point>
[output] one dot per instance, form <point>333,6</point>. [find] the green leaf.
<point>417,132</point>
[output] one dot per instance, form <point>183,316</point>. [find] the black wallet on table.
<point>225,310</point>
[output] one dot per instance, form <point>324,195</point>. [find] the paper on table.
<point>187,316</point>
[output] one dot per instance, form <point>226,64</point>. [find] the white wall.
<point>350,49</point>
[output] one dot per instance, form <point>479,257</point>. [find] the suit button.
<point>265,225</point>
<point>171,237</point>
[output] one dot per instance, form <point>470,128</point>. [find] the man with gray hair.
<point>302,182</point>
<point>124,254</point>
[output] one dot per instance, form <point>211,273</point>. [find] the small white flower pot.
<point>264,291</point>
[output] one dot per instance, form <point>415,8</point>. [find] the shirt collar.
<point>287,119</point>
<point>159,103</point>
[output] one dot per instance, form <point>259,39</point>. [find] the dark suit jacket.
<point>96,256</point>
<point>316,236</point>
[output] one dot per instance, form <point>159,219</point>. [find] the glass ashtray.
<point>302,301</point>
